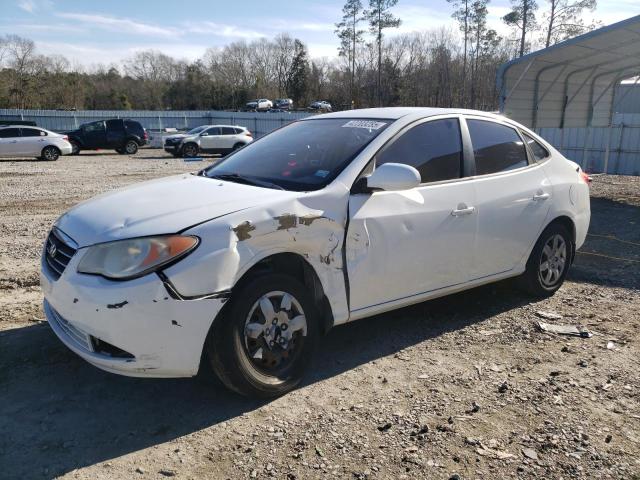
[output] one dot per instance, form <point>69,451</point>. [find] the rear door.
<point>32,141</point>
<point>513,196</point>
<point>115,133</point>
<point>228,137</point>
<point>9,138</point>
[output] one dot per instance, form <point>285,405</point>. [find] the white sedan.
<point>27,141</point>
<point>327,220</point>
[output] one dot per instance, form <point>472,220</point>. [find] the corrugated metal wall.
<point>617,147</point>
<point>60,120</point>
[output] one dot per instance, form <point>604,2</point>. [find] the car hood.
<point>177,135</point>
<point>166,205</point>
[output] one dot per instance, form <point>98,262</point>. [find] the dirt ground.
<point>462,387</point>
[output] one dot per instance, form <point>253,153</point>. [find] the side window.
<point>9,132</point>
<point>115,125</point>
<point>228,131</point>
<point>95,127</point>
<point>32,132</point>
<point>539,152</point>
<point>496,147</point>
<point>433,148</point>
<point>213,131</point>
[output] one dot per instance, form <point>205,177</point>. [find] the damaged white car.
<point>244,265</point>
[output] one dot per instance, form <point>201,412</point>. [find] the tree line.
<point>441,67</point>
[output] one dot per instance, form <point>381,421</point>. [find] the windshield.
<point>301,156</point>
<point>196,130</point>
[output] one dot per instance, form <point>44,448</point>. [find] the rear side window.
<point>33,132</point>
<point>115,125</point>
<point>539,152</point>
<point>238,130</point>
<point>9,132</point>
<point>133,126</point>
<point>496,147</point>
<point>228,131</point>
<point>433,148</point>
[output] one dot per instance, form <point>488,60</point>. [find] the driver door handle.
<point>462,209</point>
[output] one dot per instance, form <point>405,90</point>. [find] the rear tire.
<point>548,263</point>
<point>237,146</point>
<point>131,147</point>
<point>260,354</point>
<point>50,153</point>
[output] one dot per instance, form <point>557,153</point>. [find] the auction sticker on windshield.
<point>368,124</point>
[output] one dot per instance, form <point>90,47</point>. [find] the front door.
<point>406,243</point>
<point>9,142</point>
<point>94,135</point>
<point>210,139</point>
<point>513,197</point>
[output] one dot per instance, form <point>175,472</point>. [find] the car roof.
<point>21,126</point>
<point>221,125</point>
<point>394,113</point>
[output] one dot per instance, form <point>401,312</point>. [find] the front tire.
<point>549,262</point>
<point>75,147</point>
<point>190,150</point>
<point>50,153</point>
<point>264,342</point>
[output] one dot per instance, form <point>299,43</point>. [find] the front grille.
<point>57,253</point>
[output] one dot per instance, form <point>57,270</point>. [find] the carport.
<point>570,90</point>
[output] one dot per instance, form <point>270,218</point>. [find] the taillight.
<point>65,138</point>
<point>585,178</point>
<point>248,133</point>
<point>146,135</point>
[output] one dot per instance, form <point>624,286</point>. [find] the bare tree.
<point>380,18</point>
<point>350,35</point>
<point>564,20</point>
<point>523,17</point>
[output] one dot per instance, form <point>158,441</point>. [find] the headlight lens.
<point>125,259</point>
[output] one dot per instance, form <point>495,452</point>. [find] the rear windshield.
<point>301,156</point>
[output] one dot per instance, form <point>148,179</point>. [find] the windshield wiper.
<point>234,177</point>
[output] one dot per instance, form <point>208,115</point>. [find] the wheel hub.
<point>273,329</point>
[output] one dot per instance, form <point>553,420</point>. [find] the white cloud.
<point>222,30</point>
<point>121,25</point>
<point>27,5</point>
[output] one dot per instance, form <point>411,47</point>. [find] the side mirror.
<point>204,134</point>
<point>393,176</point>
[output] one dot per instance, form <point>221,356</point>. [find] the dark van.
<point>123,136</point>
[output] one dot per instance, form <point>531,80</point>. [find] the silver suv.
<point>220,139</point>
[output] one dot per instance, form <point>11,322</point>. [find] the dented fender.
<point>310,224</point>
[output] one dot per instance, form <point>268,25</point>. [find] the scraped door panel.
<point>402,244</point>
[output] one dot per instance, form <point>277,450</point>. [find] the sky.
<point>106,32</point>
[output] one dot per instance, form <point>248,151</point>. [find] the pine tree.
<point>350,35</point>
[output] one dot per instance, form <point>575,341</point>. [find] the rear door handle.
<point>540,196</point>
<point>463,210</point>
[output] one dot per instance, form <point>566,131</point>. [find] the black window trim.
<point>531,163</point>
<point>467,166</point>
<point>533,157</point>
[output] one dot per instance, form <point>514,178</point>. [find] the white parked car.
<point>327,220</point>
<point>208,139</point>
<point>261,104</point>
<point>27,141</point>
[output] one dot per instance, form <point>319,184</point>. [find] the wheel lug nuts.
<point>283,327</point>
<point>275,321</point>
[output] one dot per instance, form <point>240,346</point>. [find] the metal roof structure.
<point>571,84</point>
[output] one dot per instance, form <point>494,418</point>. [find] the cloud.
<point>27,5</point>
<point>122,25</point>
<point>222,30</point>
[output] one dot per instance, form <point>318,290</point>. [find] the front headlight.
<point>126,259</point>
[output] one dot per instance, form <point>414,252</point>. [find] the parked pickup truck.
<point>123,136</point>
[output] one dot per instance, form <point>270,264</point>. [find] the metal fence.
<point>61,120</point>
<point>614,149</point>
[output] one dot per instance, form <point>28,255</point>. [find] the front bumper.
<point>173,149</point>
<point>162,336</point>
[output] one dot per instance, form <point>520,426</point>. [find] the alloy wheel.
<point>553,261</point>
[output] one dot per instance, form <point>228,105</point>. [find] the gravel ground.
<point>462,387</point>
